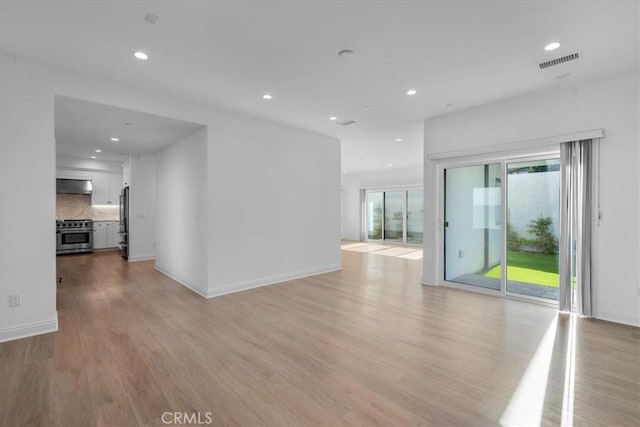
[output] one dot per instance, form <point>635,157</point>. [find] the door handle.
<point>446,224</point>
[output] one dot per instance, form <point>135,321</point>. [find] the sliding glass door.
<point>394,205</point>
<point>395,216</point>
<point>374,215</point>
<point>533,228</point>
<point>518,256</point>
<point>473,223</point>
<point>415,216</point>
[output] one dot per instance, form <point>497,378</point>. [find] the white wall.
<point>181,211</point>
<point>612,105</point>
<point>142,207</point>
<point>292,230</point>
<point>353,183</point>
<point>27,156</point>
<point>275,195</point>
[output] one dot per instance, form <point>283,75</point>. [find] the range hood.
<point>74,186</point>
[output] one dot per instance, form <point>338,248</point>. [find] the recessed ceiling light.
<point>367,108</point>
<point>93,157</point>
<point>411,92</point>
<point>115,139</point>
<point>267,96</point>
<point>151,18</point>
<point>98,151</point>
<point>552,46</point>
<point>389,164</point>
<point>398,139</point>
<point>333,118</point>
<point>346,54</point>
<point>141,55</point>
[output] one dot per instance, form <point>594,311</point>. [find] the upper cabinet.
<point>115,187</point>
<point>106,188</point>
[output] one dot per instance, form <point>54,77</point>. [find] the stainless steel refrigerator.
<point>124,223</point>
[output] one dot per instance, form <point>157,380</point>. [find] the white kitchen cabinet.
<point>105,234</point>
<point>115,186</point>
<point>99,235</point>
<point>100,193</point>
<point>106,188</point>
<point>113,235</point>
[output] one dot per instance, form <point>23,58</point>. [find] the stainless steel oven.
<point>74,236</point>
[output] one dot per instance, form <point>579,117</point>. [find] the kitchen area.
<point>106,177</point>
<point>91,212</point>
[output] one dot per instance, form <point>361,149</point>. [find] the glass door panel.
<point>533,228</point>
<point>415,216</point>
<point>394,216</point>
<point>473,223</point>
<point>374,215</point>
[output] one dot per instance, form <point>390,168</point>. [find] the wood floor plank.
<point>367,345</point>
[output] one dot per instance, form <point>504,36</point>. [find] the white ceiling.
<point>81,127</point>
<point>229,54</point>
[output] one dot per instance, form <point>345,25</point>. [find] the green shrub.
<point>514,241</point>
<point>544,241</point>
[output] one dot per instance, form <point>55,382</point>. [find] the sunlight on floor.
<point>527,403</point>
<point>569,375</point>
<point>406,252</point>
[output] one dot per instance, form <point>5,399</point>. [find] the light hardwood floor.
<point>364,346</point>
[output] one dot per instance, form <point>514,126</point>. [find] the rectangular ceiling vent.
<point>346,122</point>
<point>558,61</point>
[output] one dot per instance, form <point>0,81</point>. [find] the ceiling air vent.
<point>558,61</point>
<point>346,122</point>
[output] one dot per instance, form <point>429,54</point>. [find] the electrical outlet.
<point>460,253</point>
<point>14,300</point>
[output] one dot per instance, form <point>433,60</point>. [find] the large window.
<point>395,216</point>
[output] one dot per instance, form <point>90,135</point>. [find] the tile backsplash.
<point>78,206</point>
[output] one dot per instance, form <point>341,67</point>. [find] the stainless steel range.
<point>74,236</point>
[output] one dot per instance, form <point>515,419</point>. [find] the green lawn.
<point>538,269</point>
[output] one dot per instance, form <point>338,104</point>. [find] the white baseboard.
<point>180,281</point>
<point>29,329</point>
<point>624,318</point>
<point>425,283</point>
<point>141,258</point>
<point>271,280</point>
